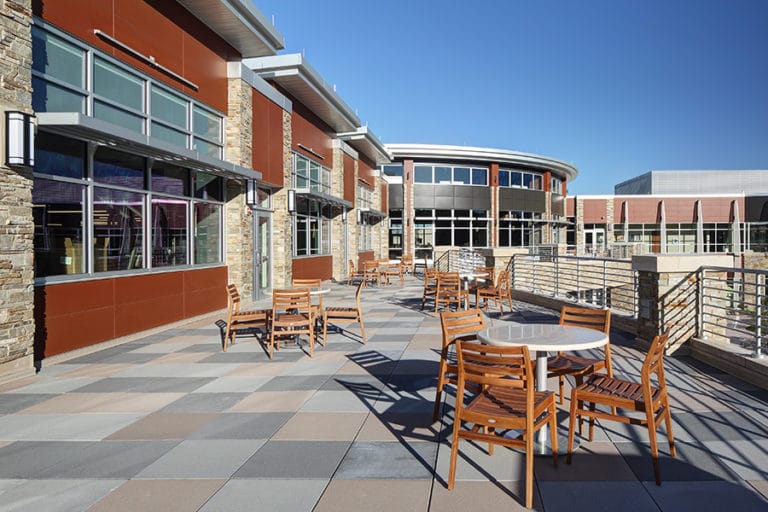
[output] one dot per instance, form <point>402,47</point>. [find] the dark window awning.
<point>80,126</point>
<point>371,213</point>
<point>323,198</point>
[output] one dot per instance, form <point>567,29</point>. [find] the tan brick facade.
<point>282,229</point>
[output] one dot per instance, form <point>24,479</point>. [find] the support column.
<point>339,265</point>
<point>282,220</point>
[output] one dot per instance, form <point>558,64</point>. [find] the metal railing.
<point>459,260</point>
<point>732,306</point>
<point>602,282</point>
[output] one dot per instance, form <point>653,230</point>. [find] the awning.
<point>80,126</point>
<point>322,197</point>
<point>370,212</point>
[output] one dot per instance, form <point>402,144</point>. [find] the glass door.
<point>262,254</point>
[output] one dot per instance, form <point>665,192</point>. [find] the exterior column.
<point>239,221</point>
<point>609,222</point>
<point>353,231</point>
<point>409,228</point>
<point>282,220</point>
<point>339,265</point>
<point>579,205</point>
<point>17,324</point>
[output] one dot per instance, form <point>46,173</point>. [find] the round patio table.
<point>543,338</point>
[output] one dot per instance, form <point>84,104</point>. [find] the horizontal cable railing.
<point>602,282</point>
<point>460,260</point>
<point>733,306</point>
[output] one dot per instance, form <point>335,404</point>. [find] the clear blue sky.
<point>615,87</point>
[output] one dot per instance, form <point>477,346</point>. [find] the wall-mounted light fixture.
<point>251,195</point>
<point>291,200</point>
<point>359,216</point>
<point>344,215</point>
<point>19,138</point>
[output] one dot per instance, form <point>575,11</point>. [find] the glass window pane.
<point>207,148</point>
<point>442,174</point>
<point>169,232</point>
<point>503,178</point>
<point>118,168</point>
<point>461,175</point>
<point>57,58</point>
<point>167,134</point>
<point>47,97</point>
<point>527,180</point>
<point>58,214</point>
<point>169,107</point>
<point>118,85</point>
<point>207,233</point>
<point>422,174</point>
<point>118,218</point>
<point>209,186</point>
<point>479,176</point>
<point>117,116</point>
<point>393,170</point>
<point>59,156</point>
<point>516,179</point>
<point>170,179</point>
<point>207,124</point>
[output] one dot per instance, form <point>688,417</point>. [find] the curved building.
<point>479,198</point>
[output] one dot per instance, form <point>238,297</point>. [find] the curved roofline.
<point>475,154</point>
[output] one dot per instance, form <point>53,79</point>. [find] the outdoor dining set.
<point>497,369</point>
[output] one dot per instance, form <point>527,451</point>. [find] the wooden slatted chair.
<point>371,272</point>
<point>392,270</point>
<point>564,363</point>
<point>430,285</point>
<point>346,313</point>
<point>450,290</point>
<point>238,319</point>
<point>292,316</point>
<point>507,402</point>
<point>498,293</point>
<point>456,325</point>
<point>353,274</point>
<point>317,307</point>
<point>408,265</point>
<point>617,393</point>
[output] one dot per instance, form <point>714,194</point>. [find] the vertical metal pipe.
<point>759,295</point>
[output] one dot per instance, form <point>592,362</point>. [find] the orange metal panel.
<point>320,267</point>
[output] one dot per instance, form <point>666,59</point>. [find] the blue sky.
<point>615,87</point>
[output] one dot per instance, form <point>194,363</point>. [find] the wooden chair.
<point>317,307</point>
<point>450,291</point>
<point>292,316</point>
<point>337,312</point>
<point>565,363</point>
<point>456,325</point>
<point>371,272</point>
<point>407,262</point>
<point>498,293</point>
<point>617,393</point>
<point>392,270</point>
<point>507,402</point>
<point>353,274</point>
<point>430,285</point>
<point>238,319</point>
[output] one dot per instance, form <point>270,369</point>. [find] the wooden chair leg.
<point>553,432</point>
<point>651,418</point>
<point>572,425</point>
<point>668,423</point>
<point>362,327</point>
<point>561,380</point>
<point>226,338</point>
<point>591,422</point>
<point>454,454</point>
<point>529,468</point>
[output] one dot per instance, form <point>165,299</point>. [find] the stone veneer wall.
<point>381,228</point>
<point>239,151</point>
<point>17,326</point>
<point>353,231</point>
<point>337,223</point>
<point>282,226</point>
<point>579,207</point>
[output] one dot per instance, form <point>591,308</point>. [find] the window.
<point>556,186</point>
<point>308,174</point>
<point>139,217</point>
<point>681,238</point>
<point>457,228</point>
<point>520,179</point>
<point>445,174</point>
<point>392,170</point>
<point>312,228</point>
<point>519,228</point>
<point>69,76</point>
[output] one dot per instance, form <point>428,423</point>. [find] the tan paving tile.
<point>695,402</point>
<point>164,426</point>
<point>258,369</point>
<point>165,495</point>
<point>103,403</point>
<point>398,427</point>
<point>321,427</point>
<point>5,443</point>
<point>425,342</point>
<point>19,383</point>
<point>186,340</point>
<point>273,401</point>
<point>180,358</point>
<point>596,461</point>
<point>352,368</point>
<point>376,496</point>
<point>96,370</point>
<point>761,486</point>
<point>465,496</point>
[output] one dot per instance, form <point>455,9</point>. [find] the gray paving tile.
<point>295,383</point>
<point>275,495</point>
<point>692,463</point>
<point>706,497</point>
<point>748,459</point>
<point>204,402</point>
<point>10,402</point>
<point>295,459</point>
<point>54,385</point>
<point>203,459</point>
<point>56,495</point>
<point>570,496</point>
<point>55,427</point>
<point>721,426</point>
<point>259,425</point>
<point>388,460</point>
<point>145,384</point>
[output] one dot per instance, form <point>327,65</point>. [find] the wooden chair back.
<point>233,299</point>
<point>597,319</point>
<point>488,365</point>
<point>284,301</point>
<point>654,364</point>
<point>306,283</point>
<point>488,273</point>
<point>448,280</point>
<point>461,325</point>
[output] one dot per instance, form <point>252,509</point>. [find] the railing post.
<point>533,282</point>
<point>759,295</point>
<point>605,288</point>
<point>578,280</point>
<point>512,264</point>
<point>557,276</point>
<point>700,304</point>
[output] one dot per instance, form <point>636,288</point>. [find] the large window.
<point>120,212</point>
<point>69,76</point>
<point>681,238</point>
<point>448,174</point>
<point>456,228</point>
<point>519,228</point>
<point>520,179</point>
<point>312,228</point>
<point>310,175</point>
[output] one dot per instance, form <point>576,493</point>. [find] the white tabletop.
<point>319,291</point>
<point>543,337</point>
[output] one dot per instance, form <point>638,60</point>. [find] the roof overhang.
<point>363,140</point>
<point>294,75</point>
<point>77,125</point>
<point>371,213</point>
<point>323,197</point>
<point>239,23</point>
<point>489,155</point>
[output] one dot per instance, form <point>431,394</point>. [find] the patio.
<point>170,422</point>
